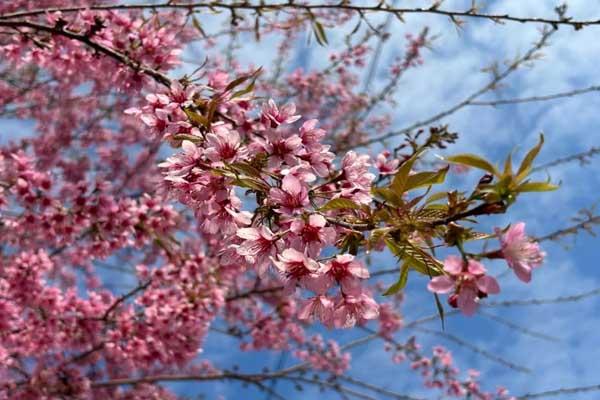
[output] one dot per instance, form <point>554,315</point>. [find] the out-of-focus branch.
<point>538,302</point>
<point>376,389</point>
<point>583,157</point>
<point>517,327</point>
<point>532,99</point>
<point>123,59</point>
<point>455,339</point>
<point>560,392</point>
<point>530,55</point>
<point>583,223</point>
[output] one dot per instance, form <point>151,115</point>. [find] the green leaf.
<point>339,204</point>
<point>245,91</point>
<point>401,177</point>
<point>186,136</point>
<point>401,283</point>
<point>436,196</point>
<point>388,195</point>
<point>242,79</point>
<point>421,179</point>
<point>537,187</point>
<point>475,161</point>
<point>525,167</point>
<point>196,118</point>
<point>251,184</point>
<point>246,169</point>
<point>320,33</point>
<point>440,309</point>
<point>432,214</point>
<point>471,235</point>
<point>417,259</point>
<point>508,165</point>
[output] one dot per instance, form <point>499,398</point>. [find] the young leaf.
<point>242,79</point>
<point>401,177</point>
<point>245,91</point>
<point>421,179</point>
<point>339,204</point>
<point>528,160</point>
<point>536,187</point>
<point>475,161</point>
<point>440,309</point>
<point>388,195</point>
<point>196,118</point>
<point>401,283</point>
<point>436,196</point>
<point>320,33</point>
<point>246,168</point>
<point>416,258</point>
<point>508,165</point>
<point>251,184</point>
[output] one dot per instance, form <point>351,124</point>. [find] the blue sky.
<point>451,72</point>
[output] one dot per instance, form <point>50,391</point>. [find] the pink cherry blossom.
<point>521,253</point>
<point>468,281</point>
<point>291,197</point>
<point>319,307</point>
<point>353,309</point>
<point>297,268</point>
<point>223,144</point>
<point>273,116</point>
<point>348,272</point>
<point>312,234</point>
<point>258,246</point>
<point>384,165</point>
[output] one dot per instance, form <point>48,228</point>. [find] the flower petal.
<point>441,284</point>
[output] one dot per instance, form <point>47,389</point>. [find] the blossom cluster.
<point>292,175</point>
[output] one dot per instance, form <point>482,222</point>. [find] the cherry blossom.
<point>522,254</point>
<point>467,280</point>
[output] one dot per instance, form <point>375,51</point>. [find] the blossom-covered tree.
<point>244,199</point>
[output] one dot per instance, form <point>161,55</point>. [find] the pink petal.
<point>441,284</point>
<point>453,265</point>
<point>317,220</point>
<point>523,271</point>
<point>466,302</point>
<point>291,185</point>
<point>476,268</point>
<point>248,233</point>
<point>488,284</point>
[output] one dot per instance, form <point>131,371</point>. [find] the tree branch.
<point>262,8</point>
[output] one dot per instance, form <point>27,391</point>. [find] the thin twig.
<point>528,56</point>
<point>531,99</point>
<point>262,8</point>
<point>560,392</point>
<point>475,349</point>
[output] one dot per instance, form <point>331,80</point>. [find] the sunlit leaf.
<point>475,161</point>
<point>525,167</point>
<point>436,196</point>
<point>401,283</point>
<point>339,204</point>
<point>196,118</point>
<point>421,179</point>
<point>401,177</point>
<point>536,187</point>
<point>320,33</point>
<point>440,309</point>
<point>388,195</point>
